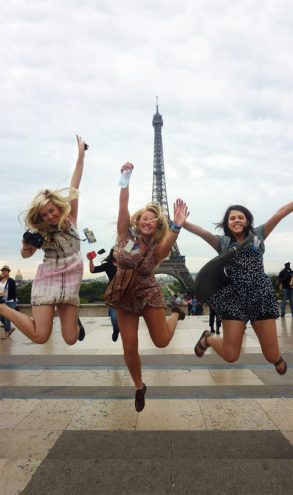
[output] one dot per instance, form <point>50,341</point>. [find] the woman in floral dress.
<point>145,239</point>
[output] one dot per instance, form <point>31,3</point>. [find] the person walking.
<point>285,279</point>
<point>9,290</point>
<point>212,318</point>
<point>109,266</point>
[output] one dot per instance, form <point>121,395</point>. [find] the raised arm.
<point>123,222</point>
<point>207,236</point>
<point>76,177</point>
<point>277,217</point>
<point>180,215</point>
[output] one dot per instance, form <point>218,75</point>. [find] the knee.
<point>70,340</point>
<point>232,356</point>
<point>160,345</point>
<point>40,339</point>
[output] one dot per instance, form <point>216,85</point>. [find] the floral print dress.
<point>147,291</point>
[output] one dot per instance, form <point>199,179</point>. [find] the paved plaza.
<point>68,423</point>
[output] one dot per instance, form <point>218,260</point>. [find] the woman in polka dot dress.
<point>250,295</point>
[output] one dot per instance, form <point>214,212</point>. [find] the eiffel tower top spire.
<point>159,194</point>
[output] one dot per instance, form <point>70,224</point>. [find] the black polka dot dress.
<point>250,293</point>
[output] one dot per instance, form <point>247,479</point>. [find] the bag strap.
<point>244,244</point>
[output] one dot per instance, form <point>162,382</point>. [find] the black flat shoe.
<point>139,398</point>
<point>115,336</point>
<point>281,370</point>
<point>81,335</point>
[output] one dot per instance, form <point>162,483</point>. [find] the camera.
<point>90,236</point>
<point>33,238</point>
<point>91,255</point>
<point>85,146</point>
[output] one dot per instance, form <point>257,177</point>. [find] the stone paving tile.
<point>190,378</point>
<point>280,412</point>
<point>50,415</point>
<point>170,415</point>
<point>230,477</point>
<point>269,376</point>
<point>235,377</point>
<point>39,378</point>
<point>24,444</point>
<point>153,378</point>
<point>288,435</point>
<point>19,405</point>
<point>100,377</point>
<point>11,420</point>
<point>238,414</point>
<point>144,462</point>
<point>104,415</point>
<point>16,474</point>
<point>144,477</point>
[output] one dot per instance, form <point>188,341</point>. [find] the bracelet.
<point>175,228</point>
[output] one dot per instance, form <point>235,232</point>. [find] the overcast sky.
<point>224,76</point>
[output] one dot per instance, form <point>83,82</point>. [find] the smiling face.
<point>237,221</point>
<point>50,214</point>
<point>147,224</point>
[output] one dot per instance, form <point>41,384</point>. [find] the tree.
<point>23,293</point>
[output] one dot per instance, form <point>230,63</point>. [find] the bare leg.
<point>38,328</point>
<point>229,346</point>
<point>68,318</point>
<point>128,326</point>
<point>266,332</point>
<point>161,329</point>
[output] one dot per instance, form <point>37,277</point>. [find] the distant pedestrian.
<point>9,290</point>
<point>109,266</point>
<point>178,300</point>
<point>193,306</point>
<point>189,305</point>
<point>212,319</point>
<point>285,280</point>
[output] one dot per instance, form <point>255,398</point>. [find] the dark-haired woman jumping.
<point>250,294</point>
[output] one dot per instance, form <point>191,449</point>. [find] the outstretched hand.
<point>126,166</point>
<point>180,212</point>
<point>81,145</point>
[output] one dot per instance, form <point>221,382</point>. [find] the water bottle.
<point>125,177</point>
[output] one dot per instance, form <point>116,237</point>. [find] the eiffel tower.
<point>175,264</point>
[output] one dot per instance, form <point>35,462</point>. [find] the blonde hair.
<point>160,217</point>
<point>61,198</point>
